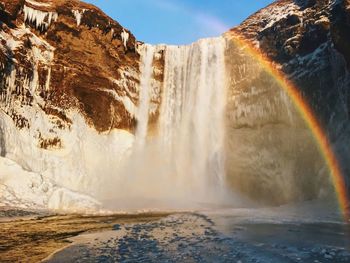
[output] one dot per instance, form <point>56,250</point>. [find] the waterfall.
<point>192,114</point>
<point>146,71</point>
<point>184,161</point>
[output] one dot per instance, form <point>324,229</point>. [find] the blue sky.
<point>178,21</point>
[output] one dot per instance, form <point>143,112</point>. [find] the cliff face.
<point>307,40</point>
<point>310,41</point>
<point>67,55</point>
<point>68,72</point>
<point>70,95</point>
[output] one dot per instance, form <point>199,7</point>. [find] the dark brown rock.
<point>10,8</point>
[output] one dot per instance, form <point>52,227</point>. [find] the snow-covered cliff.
<point>68,72</point>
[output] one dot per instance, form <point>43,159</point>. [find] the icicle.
<point>48,79</point>
<point>78,15</point>
<point>38,17</point>
<point>10,83</point>
<point>125,38</point>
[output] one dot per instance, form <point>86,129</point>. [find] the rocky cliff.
<point>309,40</point>
<point>70,92</point>
<point>68,54</point>
<point>62,60</point>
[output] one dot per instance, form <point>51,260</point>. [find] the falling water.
<point>145,84</point>
<point>184,162</point>
<point>192,114</point>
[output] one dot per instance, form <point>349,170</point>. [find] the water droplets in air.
<point>183,163</point>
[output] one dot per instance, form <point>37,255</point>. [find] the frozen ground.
<point>285,234</point>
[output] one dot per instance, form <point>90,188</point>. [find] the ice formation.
<point>129,106</point>
<point>78,15</point>
<point>41,53</point>
<point>184,156</point>
<point>24,189</point>
<point>72,167</point>
<point>41,20</point>
<point>125,37</point>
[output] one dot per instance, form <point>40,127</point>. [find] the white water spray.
<point>184,163</point>
<point>192,116</point>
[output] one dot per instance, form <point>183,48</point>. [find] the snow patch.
<point>125,82</point>
<point>312,60</point>
<point>276,13</point>
<point>10,43</point>
<point>32,2</point>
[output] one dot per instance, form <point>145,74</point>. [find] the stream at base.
<point>284,234</point>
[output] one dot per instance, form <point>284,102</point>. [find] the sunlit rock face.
<point>68,54</point>
<point>79,97</point>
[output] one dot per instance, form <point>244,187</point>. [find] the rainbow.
<point>307,114</point>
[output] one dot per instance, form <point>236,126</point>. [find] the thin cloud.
<point>214,24</point>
